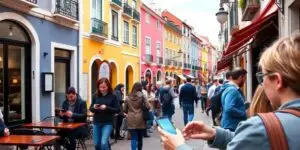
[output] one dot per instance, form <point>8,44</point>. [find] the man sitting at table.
<point>73,110</point>
<point>4,131</point>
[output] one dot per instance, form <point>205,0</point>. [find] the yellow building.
<point>111,33</point>
<point>204,61</point>
<point>173,54</point>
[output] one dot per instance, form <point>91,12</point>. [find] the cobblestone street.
<point>153,143</point>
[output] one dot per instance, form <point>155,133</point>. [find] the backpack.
<point>274,129</point>
<point>216,102</point>
<point>166,97</point>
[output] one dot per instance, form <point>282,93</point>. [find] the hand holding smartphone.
<point>97,106</point>
<point>166,124</point>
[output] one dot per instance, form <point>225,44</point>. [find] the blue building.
<point>37,37</point>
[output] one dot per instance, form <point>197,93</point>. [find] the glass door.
<point>62,76</point>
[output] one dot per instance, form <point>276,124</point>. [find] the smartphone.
<point>63,110</point>
<point>97,105</point>
<point>166,124</point>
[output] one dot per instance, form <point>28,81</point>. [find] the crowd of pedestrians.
<point>272,121</point>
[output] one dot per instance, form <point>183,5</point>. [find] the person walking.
<point>105,105</point>
<point>187,98</point>
<point>166,97</point>
<point>280,81</point>
<point>233,100</point>
<point>119,91</point>
<point>203,97</point>
<point>135,121</point>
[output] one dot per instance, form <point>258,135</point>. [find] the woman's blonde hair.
<point>283,58</point>
<point>260,102</point>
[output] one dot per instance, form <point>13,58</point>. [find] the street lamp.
<point>222,15</point>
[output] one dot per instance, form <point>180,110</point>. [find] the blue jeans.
<point>101,135</point>
<point>137,138</point>
<point>188,113</point>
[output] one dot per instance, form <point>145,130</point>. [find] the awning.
<point>181,77</point>
<point>242,37</point>
<point>170,78</point>
<point>190,76</point>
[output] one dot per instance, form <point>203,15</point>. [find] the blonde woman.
<point>280,80</point>
<point>260,102</point>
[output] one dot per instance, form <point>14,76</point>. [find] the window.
<point>148,45</point>
<point>126,32</point>
<point>114,16</point>
<point>158,49</point>
<point>147,18</point>
<point>134,36</point>
<point>133,4</point>
<point>97,9</point>
<point>166,35</point>
<point>158,25</point>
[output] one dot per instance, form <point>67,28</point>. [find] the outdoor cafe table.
<point>52,125</point>
<point>37,141</point>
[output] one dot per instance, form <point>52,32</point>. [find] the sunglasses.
<point>260,76</point>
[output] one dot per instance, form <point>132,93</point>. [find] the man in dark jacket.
<point>4,131</point>
<point>73,110</point>
<point>187,97</point>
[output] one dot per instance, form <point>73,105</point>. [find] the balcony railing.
<point>68,8</point>
<point>250,8</point>
<point>180,64</point>
<point>149,58</point>
<point>127,9</point>
<point>159,60</point>
<point>99,27</point>
<point>136,15</point>
<point>175,63</point>
<point>173,26</point>
<point>32,1</point>
<point>118,2</point>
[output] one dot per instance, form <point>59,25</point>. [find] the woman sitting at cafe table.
<point>73,110</point>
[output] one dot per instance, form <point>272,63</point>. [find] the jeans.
<point>188,113</point>
<point>137,139</point>
<point>203,103</point>
<point>101,135</point>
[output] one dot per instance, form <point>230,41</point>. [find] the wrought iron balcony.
<point>250,8</point>
<point>175,63</point>
<point>127,10</point>
<point>173,26</point>
<point>149,58</point>
<point>117,4</point>
<point>67,8</point>
<point>99,28</point>
<point>180,64</point>
<point>136,15</point>
<point>159,60</point>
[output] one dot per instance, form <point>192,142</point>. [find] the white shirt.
<point>211,91</point>
<point>180,86</point>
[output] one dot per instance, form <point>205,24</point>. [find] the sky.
<point>198,13</point>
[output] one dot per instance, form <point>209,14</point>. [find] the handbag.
<point>145,110</point>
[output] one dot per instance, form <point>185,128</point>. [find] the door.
<point>62,76</point>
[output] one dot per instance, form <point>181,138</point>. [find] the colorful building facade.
<point>152,26</point>
<point>111,46</point>
<point>173,54</point>
<point>39,58</point>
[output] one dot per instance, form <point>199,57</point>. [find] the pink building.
<point>151,45</point>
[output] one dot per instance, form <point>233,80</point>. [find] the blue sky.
<point>199,13</point>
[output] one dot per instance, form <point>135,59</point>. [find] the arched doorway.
<point>15,73</point>
<point>148,75</point>
<point>95,76</point>
<point>114,74</point>
<point>128,79</point>
<point>158,75</point>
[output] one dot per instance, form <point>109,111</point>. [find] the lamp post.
<point>222,15</point>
